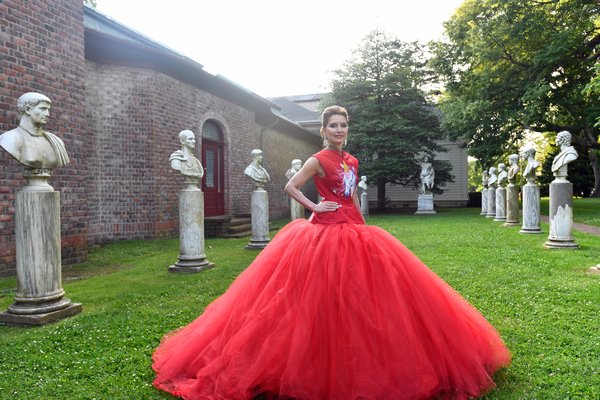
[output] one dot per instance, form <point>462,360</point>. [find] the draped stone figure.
<point>296,209</point>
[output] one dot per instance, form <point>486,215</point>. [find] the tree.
<point>509,66</point>
<point>391,122</point>
<point>91,3</point>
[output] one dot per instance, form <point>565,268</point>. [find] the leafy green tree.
<point>392,123</point>
<point>91,3</point>
<point>509,66</point>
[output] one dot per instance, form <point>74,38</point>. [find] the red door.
<point>213,182</point>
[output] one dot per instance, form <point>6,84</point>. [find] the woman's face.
<point>336,130</point>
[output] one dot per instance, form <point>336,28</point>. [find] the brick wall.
<point>42,49</point>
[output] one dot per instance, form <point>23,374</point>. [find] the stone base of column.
<point>187,264</point>
<point>512,223</point>
<point>595,270</point>
<point>531,231</point>
<point>9,318</point>
<point>560,244</point>
<point>256,244</point>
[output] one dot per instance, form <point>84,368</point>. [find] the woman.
<point>333,309</point>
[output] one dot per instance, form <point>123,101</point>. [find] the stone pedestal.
<point>561,216</point>
<point>491,203</point>
<point>260,219</point>
<point>191,232</point>
<point>364,203</point>
<point>40,297</point>
<point>500,204</point>
<point>531,209</point>
<point>512,205</point>
<point>595,270</point>
<point>484,200</point>
<point>296,210</point>
<point>425,204</point>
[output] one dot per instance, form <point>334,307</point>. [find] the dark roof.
<point>293,111</point>
<point>109,42</point>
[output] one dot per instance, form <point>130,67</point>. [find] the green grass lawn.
<point>586,211</point>
<point>543,302</point>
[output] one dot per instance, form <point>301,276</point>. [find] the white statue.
<point>514,169</point>
<point>184,160</point>
<point>567,154</point>
<point>502,174</point>
<point>493,178</point>
<point>29,143</point>
<point>528,153</point>
<point>255,170</point>
<point>427,176</point>
<point>295,167</point>
<point>363,183</point>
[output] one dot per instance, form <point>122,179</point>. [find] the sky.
<point>277,47</point>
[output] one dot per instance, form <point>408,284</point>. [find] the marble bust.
<point>363,183</point>
<point>484,178</point>
<point>29,143</point>
<point>502,174</point>
<point>532,164</point>
<point>493,178</point>
<point>295,167</point>
<point>566,155</point>
<point>184,160</point>
<point>255,170</point>
<point>427,176</point>
<point>514,169</point>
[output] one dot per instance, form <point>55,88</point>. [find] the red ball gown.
<point>333,309</point>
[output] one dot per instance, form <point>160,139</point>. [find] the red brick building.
<point>119,100</point>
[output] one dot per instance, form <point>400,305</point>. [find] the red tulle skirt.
<point>341,311</point>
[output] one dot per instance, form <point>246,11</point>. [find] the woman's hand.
<point>326,206</point>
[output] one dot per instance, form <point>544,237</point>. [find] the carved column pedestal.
<point>512,205</point>
<point>191,232</point>
<point>364,203</point>
<point>491,203</point>
<point>500,204</point>
<point>484,200</point>
<point>531,209</point>
<point>260,219</point>
<point>561,216</point>
<point>40,297</point>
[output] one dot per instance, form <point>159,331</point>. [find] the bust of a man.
<point>514,168</point>
<point>566,155</point>
<point>255,170</point>
<point>502,174</point>
<point>532,164</point>
<point>184,160</point>
<point>493,178</point>
<point>484,178</point>
<point>29,143</point>
<point>294,168</point>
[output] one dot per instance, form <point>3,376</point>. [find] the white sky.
<point>277,47</point>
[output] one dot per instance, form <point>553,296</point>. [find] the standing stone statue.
<point>484,196</point>
<point>191,208</point>
<point>501,194</point>
<point>296,209</point>
<point>364,197</point>
<point>259,202</point>
<point>512,192</point>
<point>531,193</point>
<point>427,176</point>
<point>40,297</point>
<point>561,197</point>
<point>491,193</point>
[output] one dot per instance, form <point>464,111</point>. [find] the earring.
<point>346,142</point>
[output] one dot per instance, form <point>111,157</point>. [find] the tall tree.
<point>513,65</point>
<point>391,122</point>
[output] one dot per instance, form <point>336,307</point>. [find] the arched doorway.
<point>212,158</point>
